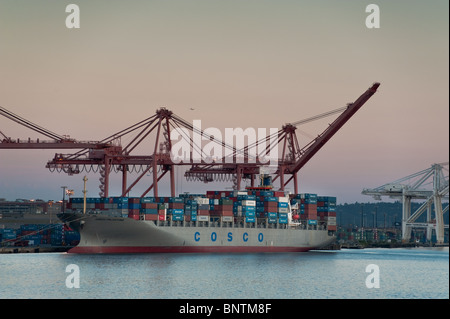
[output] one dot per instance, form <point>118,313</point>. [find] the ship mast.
<point>84,196</point>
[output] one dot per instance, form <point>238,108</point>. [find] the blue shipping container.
<point>273,215</point>
<point>248,208</point>
<point>175,211</point>
<point>249,214</point>
<point>177,217</point>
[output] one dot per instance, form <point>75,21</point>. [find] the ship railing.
<point>239,224</point>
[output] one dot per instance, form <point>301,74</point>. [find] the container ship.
<point>252,221</point>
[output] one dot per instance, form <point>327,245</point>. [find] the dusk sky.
<point>243,63</point>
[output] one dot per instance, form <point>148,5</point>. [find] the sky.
<point>258,64</point>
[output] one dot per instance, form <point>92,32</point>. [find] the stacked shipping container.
<point>326,209</point>
<point>40,234</point>
<point>249,206</point>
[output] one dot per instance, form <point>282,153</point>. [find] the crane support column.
<point>295,183</point>
<point>429,228</point>
<point>438,204</point>
<point>439,219</point>
<point>124,179</point>
<point>406,212</point>
<point>172,181</point>
<point>107,171</point>
<point>155,177</point>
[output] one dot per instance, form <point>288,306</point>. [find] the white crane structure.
<point>431,185</point>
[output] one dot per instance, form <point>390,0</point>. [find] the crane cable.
<point>22,121</point>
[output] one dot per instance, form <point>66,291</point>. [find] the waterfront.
<point>414,273</point>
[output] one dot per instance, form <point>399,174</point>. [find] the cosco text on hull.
<point>214,237</point>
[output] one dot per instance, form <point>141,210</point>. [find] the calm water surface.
<point>403,273</point>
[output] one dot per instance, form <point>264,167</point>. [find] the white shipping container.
<point>283,209</point>
<point>332,222</point>
<point>202,218</point>
<point>283,199</point>
<point>248,202</point>
<point>227,218</point>
<point>330,218</point>
<point>202,201</point>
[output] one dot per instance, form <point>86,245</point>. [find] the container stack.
<point>117,206</point>
<point>223,207</point>
<point>270,208</point>
<point>203,209</point>
<point>134,208</point>
<point>152,210</point>
<point>8,235</point>
<point>254,206</point>
<point>248,210</point>
<point>120,204</point>
<point>283,210</point>
<point>39,235</point>
<point>326,209</point>
<point>176,208</point>
<point>250,206</point>
<point>307,207</point>
<point>33,233</point>
<point>190,210</point>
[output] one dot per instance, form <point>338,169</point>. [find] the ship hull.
<point>115,235</point>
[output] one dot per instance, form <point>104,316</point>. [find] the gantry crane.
<point>56,141</point>
<point>109,155</point>
<point>293,157</point>
<point>417,186</point>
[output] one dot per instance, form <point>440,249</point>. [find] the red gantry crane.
<point>108,155</point>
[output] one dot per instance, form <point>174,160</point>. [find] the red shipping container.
<point>134,200</point>
<point>150,217</point>
<point>223,208</point>
<point>149,205</point>
<point>333,227</point>
<point>176,205</point>
<point>311,207</point>
<point>271,205</point>
<point>330,214</point>
<point>278,194</point>
<point>221,213</point>
<point>203,212</point>
<point>162,217</point>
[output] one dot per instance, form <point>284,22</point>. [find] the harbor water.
<point>415,273</point>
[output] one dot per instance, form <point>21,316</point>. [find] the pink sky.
<point>239,64</point>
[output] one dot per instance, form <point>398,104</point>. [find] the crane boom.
<point>310,150</point>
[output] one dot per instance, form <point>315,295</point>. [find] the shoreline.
<point>34,249</point>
